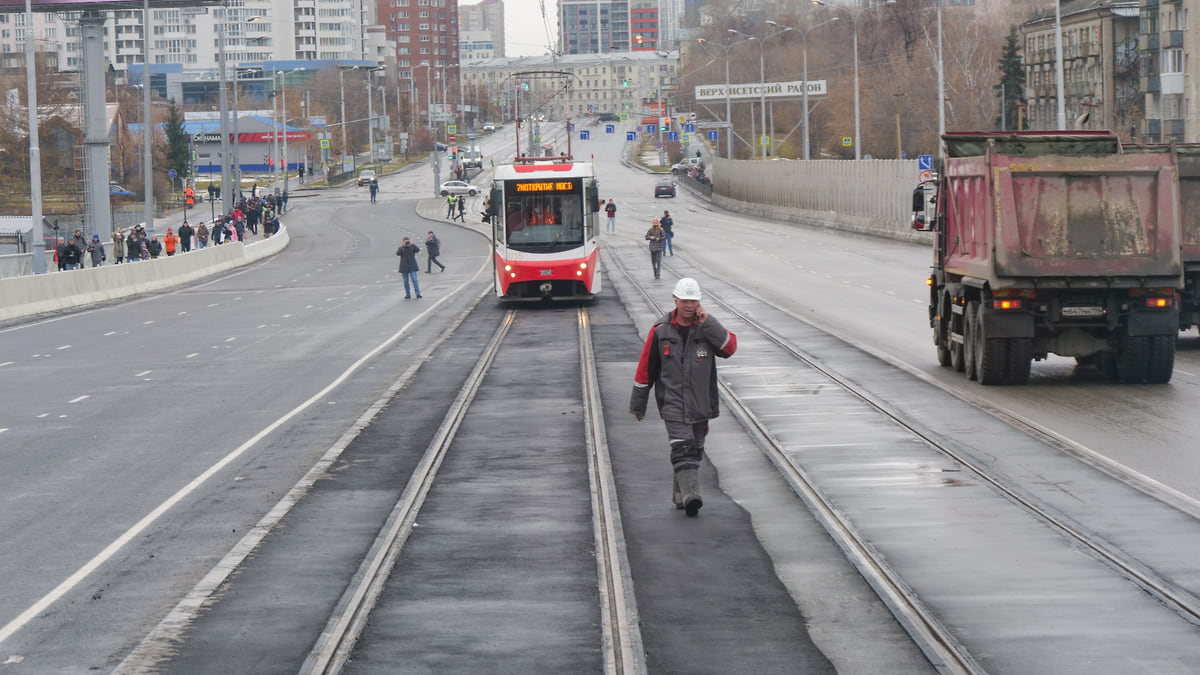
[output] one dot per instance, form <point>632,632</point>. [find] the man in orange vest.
<point>190,195</point>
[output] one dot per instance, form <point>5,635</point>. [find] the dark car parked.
<point>608,117</point>
<point>664,188</point>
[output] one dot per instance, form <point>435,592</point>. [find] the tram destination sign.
<point>714,92</point>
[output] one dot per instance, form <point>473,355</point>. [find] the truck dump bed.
<point>1059,211</point>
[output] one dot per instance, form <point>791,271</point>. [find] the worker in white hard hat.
<point>679,361</point>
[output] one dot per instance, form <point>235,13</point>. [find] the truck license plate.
<point>1083,311</point>
<point>546,273</point>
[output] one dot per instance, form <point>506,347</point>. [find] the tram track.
<point>621,638</point>
<point>931,634</point>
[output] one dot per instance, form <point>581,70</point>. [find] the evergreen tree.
<point>178,155</point>
<point>1011,89</point>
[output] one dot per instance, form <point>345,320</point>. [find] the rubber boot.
<point>689,485</point>
<point>676,494</point>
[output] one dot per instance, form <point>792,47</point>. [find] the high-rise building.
<point>478,19</point>
<point>426,35</point>
<point>591,27</point>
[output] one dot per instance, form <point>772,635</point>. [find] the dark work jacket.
<point>684,375</point>
<point>433,247</point>
<point>408,257</point>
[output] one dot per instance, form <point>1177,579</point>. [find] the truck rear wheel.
<point>1133,357</point>
<point>990,353</point>
<point>1161,360</point>
<point>1018,360</point>
<point>970,347</point>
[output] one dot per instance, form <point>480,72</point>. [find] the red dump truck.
<point>1187,158</point>
<point>1053,243</point>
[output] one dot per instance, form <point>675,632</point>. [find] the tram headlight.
<point>508,268</point>
<point>583,266</point>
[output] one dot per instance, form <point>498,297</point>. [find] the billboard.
<point>712,92</point>
<point>9,6</point>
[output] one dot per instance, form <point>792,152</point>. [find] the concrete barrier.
<point>57,291</point>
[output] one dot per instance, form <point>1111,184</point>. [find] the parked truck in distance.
<point>1053,243</point>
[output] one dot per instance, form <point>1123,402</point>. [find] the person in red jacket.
<point>170,242</point>
<point>679,361</point>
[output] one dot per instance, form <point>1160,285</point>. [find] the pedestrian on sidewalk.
<point>611,210</point>
<point>170,243</point>
<point>118,246</point>
<point>462,209</point>
<point>451,202</point>
<point>679,361</point>
<point>96,249</point>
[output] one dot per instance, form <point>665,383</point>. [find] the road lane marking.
<point>6,363</point>
<point>192,354</point>
<point>223,570</point>
<point>77,399</point>
<point>144,372</point>
<point>63,347</point>
<point>230,339</point>
<point>43,415</point>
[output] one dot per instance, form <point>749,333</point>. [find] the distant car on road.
<point>489,128</point>
<point>116,192</point>
<point>458,187</point>
<point>664,188</point>
<point>366,177</point>
<point>687,165</point>
<point>608,117</point>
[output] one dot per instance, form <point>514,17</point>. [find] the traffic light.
<point>525,86</point>
<point>625,82</point>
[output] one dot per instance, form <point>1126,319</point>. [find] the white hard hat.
<point>687,289</point>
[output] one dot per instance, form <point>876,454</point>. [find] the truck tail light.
<point>1007,304</point>
<point>1159,303</point>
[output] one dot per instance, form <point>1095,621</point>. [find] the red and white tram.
<point>544,228</point>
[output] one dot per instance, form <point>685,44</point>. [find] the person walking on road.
<point>433,248</point>
<point>611,210</point>
<point>656,236</point>
<point>668,226</point>
<point>462,209</point>
<point>409,266</point>
<point>374,189</point>
<point>679,361</point>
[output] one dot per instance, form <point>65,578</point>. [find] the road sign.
<point>324,143</point>
<point>651,128</point>
<point>690,128</point>
<point>672,135</point>
<point>471,137</point>
<point>450,137</point>
<point>610,128</point>
<point>847,141</point>
<point>685,139</point>
<point>172,173</point>
<point>451,128</point>
<point>926,175</point>
<point>631,135</point>
<point>584,134</point>
<point>925,162</point>
<point>712,134</point>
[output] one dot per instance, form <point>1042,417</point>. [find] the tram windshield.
<point>543,216</point>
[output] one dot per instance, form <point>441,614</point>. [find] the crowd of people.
<point>248,215</point>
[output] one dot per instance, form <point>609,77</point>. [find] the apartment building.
<point>1104,69</point>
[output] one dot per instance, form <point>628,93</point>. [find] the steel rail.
<point>624,653</point>
<point>332,650</point>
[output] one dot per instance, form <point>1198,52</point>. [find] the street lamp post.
<point>804,91</point>
<point>857,133</point>
<point>284,160</point>
<point>226,198</point>
<point>342,85</point>
<point>762,93</point>
<point>728,117</point>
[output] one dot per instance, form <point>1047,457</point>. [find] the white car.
<point>366,177</point>
<point>489,128</point>
<point>458,187</point>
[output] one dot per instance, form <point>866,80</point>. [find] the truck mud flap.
<point>1153,323</point>
<point>1001,325</point>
